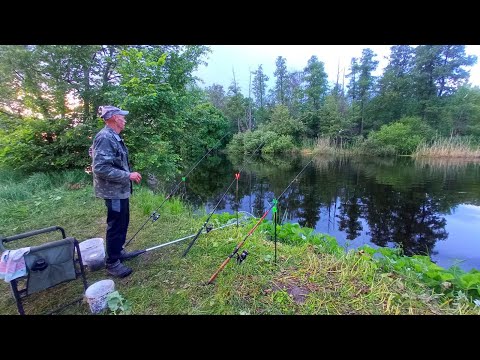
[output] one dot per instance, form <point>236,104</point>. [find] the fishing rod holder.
<point>242,256</point>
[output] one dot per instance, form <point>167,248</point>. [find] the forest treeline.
<point>49,95</point>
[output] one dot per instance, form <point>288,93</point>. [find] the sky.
<point>242,59</point>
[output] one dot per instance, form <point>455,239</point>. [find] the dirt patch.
<point>296,291</point>
<point>75,186</point>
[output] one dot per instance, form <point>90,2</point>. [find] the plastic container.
<point>93,253</point>
<point>96,295</point>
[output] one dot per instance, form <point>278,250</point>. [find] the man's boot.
<point>124,255</point>
<point>117,269</point>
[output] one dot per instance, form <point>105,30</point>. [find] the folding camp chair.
<point>47,265</point>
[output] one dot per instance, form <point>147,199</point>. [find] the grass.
<point>309,278</point>
<point>324,145</point>
<point>452,147</point>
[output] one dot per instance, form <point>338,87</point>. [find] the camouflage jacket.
<point>110,166</point>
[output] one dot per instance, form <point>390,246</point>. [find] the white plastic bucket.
<point>93,253</point>
<point>96,295</point>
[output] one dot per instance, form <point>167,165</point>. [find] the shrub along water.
<point>312,274</point>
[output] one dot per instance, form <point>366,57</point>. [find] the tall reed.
<point>452,147</point>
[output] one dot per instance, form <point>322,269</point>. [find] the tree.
<point>281,81</point>
<point>294,94</point>
<point>395,88</point>
<point>260,94</point>
<point>438,71</point>
<point>260,87</point>
<point>316,83</point>
<point>235,109</point>
<point>333,122</point>
<point>155,83</point>
<point>362,85</point>
<point>160,111</point>
<point>282,123</point>
<point>461,113</point>
<point>366,83</point>
<point>450,73</point>
<point>216,95</point>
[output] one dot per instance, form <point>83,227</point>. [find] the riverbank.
<point>312,277</point>
<point>438,148</point>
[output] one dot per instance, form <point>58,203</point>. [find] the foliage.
<point>401,137</point>
<point>216,95</point>
<point>266,141</point>
<point>48,76</point>
<point>49,95</point>
<point>260,87</point>
<point>444,281</point>
<point>460,114</point>
<point>246,142</point>
<point>294,234</point>
<point>235,110</point>
<point>236,145</point>
<point>154,88</point>
<point>282,123</point>
<point>317,83</point>
<point>333,281</point>
<point>44,145</point>
<point>204,126</point>
<point>117,304</point>
<point>155,83</point>
<point>332,119</point>
<point>281,75</point>
<point>278,145</point>
<point>454,146</point>
<point>254,140</point>
<point>157,157</point>
<point>396,91</point>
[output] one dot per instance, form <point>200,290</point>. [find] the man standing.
<point>112,181</point>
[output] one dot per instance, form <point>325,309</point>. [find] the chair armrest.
<point>29,234</point>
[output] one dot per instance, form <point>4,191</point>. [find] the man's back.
<point>110,166</point>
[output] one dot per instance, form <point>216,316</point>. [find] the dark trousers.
<point>118,217</point>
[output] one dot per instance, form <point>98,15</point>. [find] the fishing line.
<point>135,253</point>
<point>211,213</point>
<point>239,245</point>
<point>154,216</point>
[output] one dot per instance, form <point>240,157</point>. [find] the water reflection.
<point>386,202</point>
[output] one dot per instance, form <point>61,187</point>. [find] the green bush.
<point>45,145</point>
<point>249,141</point>
<point>252,140</point>
<point>401,137</point>
<point>236,145</point>
<point>281,123</point>
<point>279,144</point>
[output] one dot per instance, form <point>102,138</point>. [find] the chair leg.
<point>82,267</point>
<point>16,295</point>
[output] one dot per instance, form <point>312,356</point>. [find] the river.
<point>426,207</point>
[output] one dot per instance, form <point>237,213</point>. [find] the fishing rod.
<point>275,219</point>
<point>154,216</point>
<point>240,244</point>
<point>211,213</point>
<point>135,253</point>
<point>237,176</point>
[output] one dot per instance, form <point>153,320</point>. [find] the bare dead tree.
<point>249,116</point>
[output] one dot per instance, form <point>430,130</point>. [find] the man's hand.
<point>135,176</point>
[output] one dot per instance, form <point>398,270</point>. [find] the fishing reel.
<point>155,216</point>
<point>242,256</point>
<point>208,228</point>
